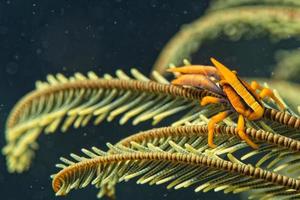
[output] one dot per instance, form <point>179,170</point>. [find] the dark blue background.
<point>42,37</point>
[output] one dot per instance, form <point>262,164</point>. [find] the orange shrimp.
<point>243,98</point>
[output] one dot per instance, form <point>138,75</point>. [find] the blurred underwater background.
<point>259,39</point>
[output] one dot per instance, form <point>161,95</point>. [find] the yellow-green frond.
<point>178,163</point>
<point>62,102</point>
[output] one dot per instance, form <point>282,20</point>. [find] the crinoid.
<point>235,21</point>
<point>177,155</point>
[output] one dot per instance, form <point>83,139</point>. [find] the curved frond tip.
<point>177,155</point>
<point>173,155</point>
<point>75,101</point>
<point>183,167</point>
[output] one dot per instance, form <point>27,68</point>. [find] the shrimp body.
<point>242,97</point>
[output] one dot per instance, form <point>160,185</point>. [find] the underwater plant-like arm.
<point>279,22</point>
<point>197,137</point>
<point>169,155</point>
<point>63,102</point>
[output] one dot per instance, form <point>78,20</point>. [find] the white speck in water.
<point>1,106</point>
<point>88,27</point>
<point>16,57</point>
<point>38,51</point>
